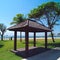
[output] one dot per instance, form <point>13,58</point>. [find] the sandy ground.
<point>29,38</point>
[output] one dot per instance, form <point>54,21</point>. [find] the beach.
<point>31,38</point>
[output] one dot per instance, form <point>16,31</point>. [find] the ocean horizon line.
<point>30,36</point>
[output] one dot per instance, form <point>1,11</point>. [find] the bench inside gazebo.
<point>28,26</point>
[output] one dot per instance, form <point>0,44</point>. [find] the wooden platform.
<point>31,52</point>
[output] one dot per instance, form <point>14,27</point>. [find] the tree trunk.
<point>20,36</point>
<point>52,36</point>
<point>2,37</point>
<point>49,25</point>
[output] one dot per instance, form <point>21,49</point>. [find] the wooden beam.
<point>15,40</point>
<point>34,39</point>
<point>26,41</point>
<point>46,40</point>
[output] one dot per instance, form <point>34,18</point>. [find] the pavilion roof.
<point>30,26</point>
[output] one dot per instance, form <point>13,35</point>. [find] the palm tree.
<point>2,30</point>
<point>18,19</point>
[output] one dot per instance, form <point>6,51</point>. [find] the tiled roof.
<point>29,25</point>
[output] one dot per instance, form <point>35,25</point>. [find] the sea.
<point>42,37</point>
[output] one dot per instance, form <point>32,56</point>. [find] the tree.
<point>50,35</point>
<point>50,12</point>
<point>58,34</point>
<point>18,19</point>
<point>2,30</point>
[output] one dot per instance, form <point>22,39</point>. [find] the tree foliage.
<point>42,9</point>
<point>18,19</point>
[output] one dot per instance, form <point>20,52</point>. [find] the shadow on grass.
<point>1,46</point>
<point>54,44</point>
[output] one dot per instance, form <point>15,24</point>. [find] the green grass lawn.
<point>6,46</point>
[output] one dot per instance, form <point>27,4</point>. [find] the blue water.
<point>30,37</point>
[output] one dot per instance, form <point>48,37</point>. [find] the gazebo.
<point>29,26</point>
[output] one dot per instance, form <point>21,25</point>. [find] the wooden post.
<point>46,40</point>
<point>15,40</point>
<point>34,39</point>
<point>26,41</point>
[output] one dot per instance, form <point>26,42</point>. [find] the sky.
<point>9,9</point>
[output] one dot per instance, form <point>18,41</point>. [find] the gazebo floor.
<point>31,52</point>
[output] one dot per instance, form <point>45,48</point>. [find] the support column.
<point>15,40</point>
<point>46,40</point>
<point>34,39</point>
<point>26,41</point>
